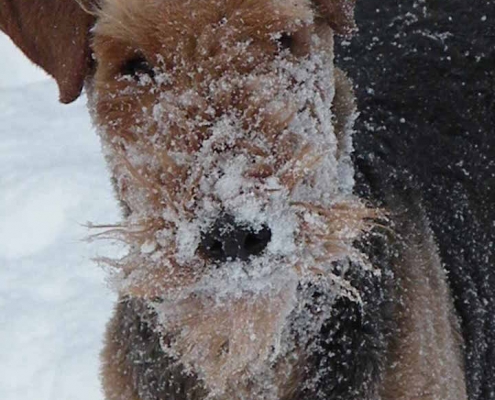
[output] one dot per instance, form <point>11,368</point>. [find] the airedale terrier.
<point>253,271</point>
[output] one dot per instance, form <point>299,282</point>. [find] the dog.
<point>257,268</point>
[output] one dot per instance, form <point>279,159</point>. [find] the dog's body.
<point>254,271</point>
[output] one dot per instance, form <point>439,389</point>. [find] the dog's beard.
<point>232,343</point>
<point>251,338</point>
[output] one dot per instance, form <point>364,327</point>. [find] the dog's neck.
<point>425,357</point>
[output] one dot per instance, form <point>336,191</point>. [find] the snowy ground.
<point>53,300</point>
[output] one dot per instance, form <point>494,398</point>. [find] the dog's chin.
<point>251,338</point>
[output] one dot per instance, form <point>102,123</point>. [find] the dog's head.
<point>219,121</point>
<point>227,129</point>
<point>225,125</point>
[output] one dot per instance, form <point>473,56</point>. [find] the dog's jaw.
<point>245,129</point>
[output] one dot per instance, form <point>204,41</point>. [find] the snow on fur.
<point>261,147</point>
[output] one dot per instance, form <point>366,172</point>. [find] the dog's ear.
<point>339,14</point>
<point>54,34</point>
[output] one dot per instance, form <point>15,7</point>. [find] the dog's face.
<point>227,130</point>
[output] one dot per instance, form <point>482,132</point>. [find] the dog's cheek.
<point>338,14</point>
<point>121,110</point>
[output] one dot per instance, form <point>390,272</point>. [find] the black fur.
<point>425,79</point>
<point>353,342</point>
<point>151,374</point>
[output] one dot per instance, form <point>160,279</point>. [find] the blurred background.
<point>15,70</point>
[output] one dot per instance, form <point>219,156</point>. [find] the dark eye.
<point>136,67</point>
<point>285,41</point>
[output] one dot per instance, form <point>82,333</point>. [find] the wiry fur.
<point>232,68</point>
<point>352,305</point>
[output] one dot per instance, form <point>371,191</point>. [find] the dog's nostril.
<point>256,242</point>
<point>230,241</point>
<point>215,249</point>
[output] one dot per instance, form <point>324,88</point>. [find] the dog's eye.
<point>285,42</point>
<point>136,67</point>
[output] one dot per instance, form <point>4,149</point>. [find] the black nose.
<point>229,241</point>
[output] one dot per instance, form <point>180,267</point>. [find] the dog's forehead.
<point>158,25</point>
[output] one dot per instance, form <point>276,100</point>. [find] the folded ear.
<point>54,34</point>
<point>339,14</point>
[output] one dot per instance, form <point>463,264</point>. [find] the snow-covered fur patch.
<point>230,109</point>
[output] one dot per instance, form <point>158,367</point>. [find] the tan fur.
<point>167,35</point>
<point>245,325</point>
<point>339,14</point>
<point>344,106</point>
<point>115,369</point>
<point>425,360</point>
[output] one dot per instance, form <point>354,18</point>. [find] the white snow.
<point>54,302</point>
<point>15,70</point>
